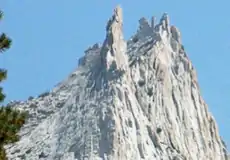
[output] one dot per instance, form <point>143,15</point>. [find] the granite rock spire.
<point>127,100</point>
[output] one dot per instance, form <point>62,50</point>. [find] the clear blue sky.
<point>49,36</point>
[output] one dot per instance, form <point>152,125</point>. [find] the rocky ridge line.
<point>134,100</point>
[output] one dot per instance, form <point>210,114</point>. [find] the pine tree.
<point>11,120</point>
<point>5,43</point>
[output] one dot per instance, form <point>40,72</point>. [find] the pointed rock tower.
<point>127,100</point>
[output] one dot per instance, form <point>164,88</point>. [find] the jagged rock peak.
<point>114,47</point>
<point>94,47</point>
<point>154,112</point>
<point>164,24</point>
<point>153,21</point>
<point>175,33</point>
<point>153,29</point>
<point>143,23</point>
<point>87,59</point>
<point>165,19</point>
<point>118,14</point>
<point>116,18</point>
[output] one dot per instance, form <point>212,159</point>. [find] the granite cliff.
<point>127,100</point>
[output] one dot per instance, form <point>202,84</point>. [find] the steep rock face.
<point>134,100</point>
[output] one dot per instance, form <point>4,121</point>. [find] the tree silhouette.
<point>11,120</point>
<point>5,43</point>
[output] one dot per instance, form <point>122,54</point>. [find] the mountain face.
<point>127,100</point>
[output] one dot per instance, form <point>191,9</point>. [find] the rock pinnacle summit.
<point>135,99</point>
